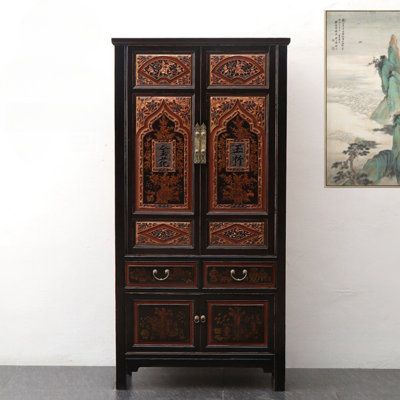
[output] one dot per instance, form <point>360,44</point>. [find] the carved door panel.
<point>238,324</point>
<point>163,187</point>
<point>161,322</point>
<point>240,150</point>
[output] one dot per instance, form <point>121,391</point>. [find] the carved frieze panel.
<point>164,233</point>
<point>163,69</point>
<point>236,234</point>
<point>238,70</point>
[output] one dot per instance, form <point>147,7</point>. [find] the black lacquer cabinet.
<point>200,164</point>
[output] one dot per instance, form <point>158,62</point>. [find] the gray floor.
<point>97,383</point>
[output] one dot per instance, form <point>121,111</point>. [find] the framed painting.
<point>362,132</point>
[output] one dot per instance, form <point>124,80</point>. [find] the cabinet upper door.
<point>163,143</point>
<point>237,155</point>
<point>162,187</point>
<point>239,101</point>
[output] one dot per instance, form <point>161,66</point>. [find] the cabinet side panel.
<point>120,107</point>
<point>279,374</point>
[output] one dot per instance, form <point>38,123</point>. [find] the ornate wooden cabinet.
<point>200,154</point>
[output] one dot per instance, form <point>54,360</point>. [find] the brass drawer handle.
<point>166,272</point>
<point>203,319</point>
<point>244,272</point>
<point>196,319</point>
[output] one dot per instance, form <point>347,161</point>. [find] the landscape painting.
<point>362,98</point>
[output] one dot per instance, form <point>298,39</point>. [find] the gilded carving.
<point>163,233</point>
<point>236,234</point>
<point>237,153</point>
<point>164,70</point>
<point>164,155</point>
<point>238,69</point>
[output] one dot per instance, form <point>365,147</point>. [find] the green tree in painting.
<point>387,162</point>
<point>346,172</point>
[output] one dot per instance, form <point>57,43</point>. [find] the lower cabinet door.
<point>190,322</point>
<point>163,322</point>
<point>239,324</point>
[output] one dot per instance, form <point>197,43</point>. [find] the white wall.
<point>56,166</point>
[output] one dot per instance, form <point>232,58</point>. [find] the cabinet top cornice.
<point>200,41</point>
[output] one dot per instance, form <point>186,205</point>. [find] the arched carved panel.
<point>163,69</point>
<point>163,166</point>
<point>237,159</point>
<point>238,70</point>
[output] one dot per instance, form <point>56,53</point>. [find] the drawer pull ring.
<point>166,272</point>
<point>196,319</point>
<point>244,272</point>
<point>203,319</point>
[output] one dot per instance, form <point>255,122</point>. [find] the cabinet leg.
<point>278,380</point>
<point>122,379</point>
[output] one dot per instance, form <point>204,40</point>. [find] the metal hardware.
<point>166,272</point>
<point>200,144</point>
<point>244,273</point>
<point>196,319</point>
<point>203,144</point>
<point>197,144</point>
<point>203,319</point>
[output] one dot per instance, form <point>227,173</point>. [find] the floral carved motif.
<point>163,70</point>
<point>163,150</point>
<point>237,153</point>
<point>239,69</point>
<point>236,234</point>
<point>160,233</point>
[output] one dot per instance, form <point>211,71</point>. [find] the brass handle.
<point>203,319</point>
<point>200,144</point>
<point>196,319</point>
<point>203,143</point>
<point>244,273</point>
<point>197,144</point>
<point>166,272</point>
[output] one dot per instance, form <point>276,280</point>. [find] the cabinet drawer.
<point>160,274</point>
<point>239,274</point>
